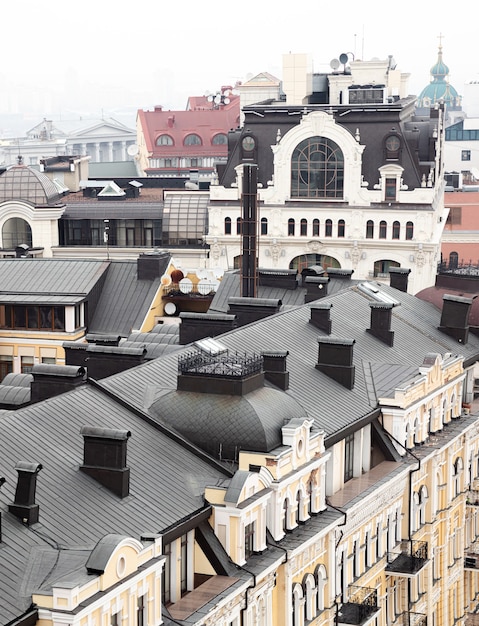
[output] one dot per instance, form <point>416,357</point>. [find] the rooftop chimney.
<point>281,278</point>
<point>274,367</point>
<point>312,270</point>
<point>196,326</point>
<point>152,265</point>
<point>455,317</point>
<point>398,278</point>
<point>381,313</point>
<point>335,359</point>
<point>251,309</point>
<point>316,288</point>
<point>104,458</point>
<point>249,229</point>
<point>52,380</point>
<point>24,506</point>
<point>321,316</point>
<point>339,272</point>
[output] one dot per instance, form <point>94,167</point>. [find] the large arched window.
<point>192,140</point>
<point>15,232</point>
<point>164,140</point>
<point>317,169</point>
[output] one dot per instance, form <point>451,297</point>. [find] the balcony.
<point>199,597</point>
<point>411,619</point>
<point>189,297</point>
<point>407,559</point>
<point>361,607</point>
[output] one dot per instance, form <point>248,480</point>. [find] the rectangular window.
<point>348,456</point>
<point>141,611</point>
<point>49,360</point>
<point>6,365</point>
<point>248,540</point>
<point>465,155</point>
<point>184,564</point>
<point>390,189</point>
<point>26,364</point>
<point>166,575</point>
<point>115,619</point>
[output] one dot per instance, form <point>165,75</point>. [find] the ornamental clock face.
<point>393,144</point>
<point>248,143</point>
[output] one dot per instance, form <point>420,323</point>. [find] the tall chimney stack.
<point>24,506</point>
<point>249,231</point>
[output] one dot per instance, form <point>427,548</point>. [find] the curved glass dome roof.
<point>439,89</point>
<point>20,182</point>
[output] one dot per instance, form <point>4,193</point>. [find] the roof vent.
<point>321,316</point>
<point>335,359</point>
<point>381,313</point>
<point>104,458</point>
<point>455,317</point>
<point>398,278</point>
<point>24,506</point>
<point>274,367</point>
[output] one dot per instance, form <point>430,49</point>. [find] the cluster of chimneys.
<point>104,459</point>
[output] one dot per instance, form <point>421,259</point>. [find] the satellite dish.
<point>202,273</point>
<point>170,308</point>
<point>226,101</point>
<point>334,64</point>
<point>218,272</point>
<point>226,92</point>
<point>204,286</point>
<point>132,150</point>
<point>343,58</point>
<point>185,285</point>
<point>210,98</point>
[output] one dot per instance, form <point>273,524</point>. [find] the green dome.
<point>439,89</point>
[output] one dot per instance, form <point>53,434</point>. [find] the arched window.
<point>383,229</point>
<point>317,169</point>
<point>369,229</point>
<point>264,226</point>
<point>303,228</point>
<point>422,504</point>
<point>456,476</point>
<point>15,232</point>
<point>291,227</point>
<point>310,593</point>
<point>321,580</point>
<point>164,140</point>
<point>341,228</point>
<point>315,228</point>
<point>298,605</point>
<point>192,140</point>
<point>409,230</point>
<point>219,140</point>
<point>238,225</point>
<point>453,260</point>
<point>396,230</point>
<point>328,228</point>
<point>227,225</point>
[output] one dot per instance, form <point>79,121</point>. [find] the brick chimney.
<point>152,265</point>
<point>252,309</point>
<point>195,326</point>
<point>24,506</point>
<point>398,278</point>
<point>381,314</point>
<point>321,316</point>
<point>52,380</point>
<point>281,278</point>
<point>104,458</point>
<point>274,367</point>
<point>455,317</point>
<point>335,359</point>
<point>316,288</point>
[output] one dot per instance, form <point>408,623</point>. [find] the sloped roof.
<point>20,182</point>
<point>75,511</point>
<point>125,301</point>
<point>332,407</point>
<point>56,280</point>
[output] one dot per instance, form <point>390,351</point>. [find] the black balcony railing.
<point>200,290</point>
<point>408,558</point>
<point>462,267</point>
<point>411,619</point>
<point>362,603</point>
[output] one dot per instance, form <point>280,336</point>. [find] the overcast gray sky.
<point>64,58</point>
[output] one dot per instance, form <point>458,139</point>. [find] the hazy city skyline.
<point>106,57</point>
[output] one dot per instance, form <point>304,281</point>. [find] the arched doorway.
<point>15,232</point>
<point>303,261</point>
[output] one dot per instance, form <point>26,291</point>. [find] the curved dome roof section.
<point>221,425</point>
<point>20,182</point>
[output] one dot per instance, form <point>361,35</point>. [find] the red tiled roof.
<point>178,124</point>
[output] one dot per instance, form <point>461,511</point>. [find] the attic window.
<point>192,140</point>
<point>164,140</point>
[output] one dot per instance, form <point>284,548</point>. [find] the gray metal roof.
<point>75,510</point>
<point>34,279</point>
<point>332,406</point>
<point>125,300</point>
<point>128,209</point>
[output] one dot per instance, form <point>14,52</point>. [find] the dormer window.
<point>164,140</point>
<point>192,140</point>
<point>393,147</point>
<point>317,169</point>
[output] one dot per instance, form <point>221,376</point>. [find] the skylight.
<point>376,293</point>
